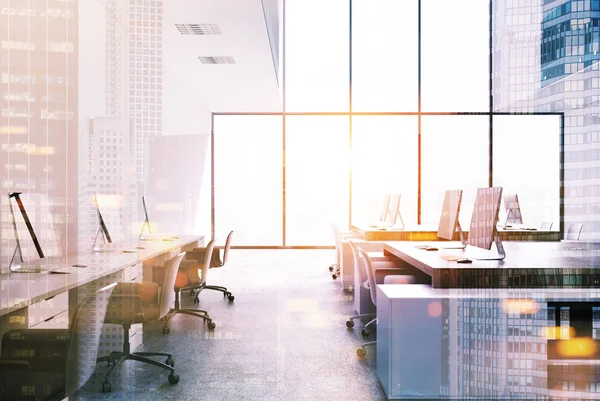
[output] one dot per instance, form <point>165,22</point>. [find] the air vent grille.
<point>198,29</point>
<point>217,60</point>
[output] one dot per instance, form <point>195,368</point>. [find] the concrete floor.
<point>283,338</point>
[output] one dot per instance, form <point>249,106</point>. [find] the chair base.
<point>350,321</point>
<point>362,351</point>
<point>116,358</point>
<point>195,292</point>
<point>199,313</point>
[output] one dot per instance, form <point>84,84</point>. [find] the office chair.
<point>187,279</point>
<point>215,262</point>
<point>546,226</point>
<point>133,303</point>
<point>52,364</point>
<point>390,279</point>
<point>382,266</point>
<point>339,237</point>
<point>574,232</point>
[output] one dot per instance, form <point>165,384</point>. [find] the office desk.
<point>429,233</point>
<point>29,299</point>
<point>484,344</point>
<point>527,264</point>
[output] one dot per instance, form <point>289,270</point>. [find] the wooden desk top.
<point>423,291</point>
<point>527,264</point>
<point>19,290</point>
<point>429,233</point>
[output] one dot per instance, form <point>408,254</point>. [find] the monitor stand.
<point>96,239</point>
<point>499,248</point>
<point>463,242</point>
<point>398,218</point>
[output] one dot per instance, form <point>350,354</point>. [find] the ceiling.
<point>248,85</point>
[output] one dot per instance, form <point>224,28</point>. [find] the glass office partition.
<point>455,55</point>
<point>316,62</point>
<point>248,179</point>
<point>384,160</point>
<point>384,55</point>
<point>527,163</point>
<point>317,179</point>
<point>455,155</point>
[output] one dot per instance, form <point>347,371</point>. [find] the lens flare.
<point>520,306</point>
<point>579,347</point>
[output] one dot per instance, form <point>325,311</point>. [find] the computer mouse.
<point>464,261</point>
<point>431,248</point>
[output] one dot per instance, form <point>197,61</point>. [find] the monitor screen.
<point>393,209</point>
<point>513,211</point>
<point>35,211</point>
<point>384,208</point>
<point>450,211</point>
<point>485,215</point>
<point>146,222</point>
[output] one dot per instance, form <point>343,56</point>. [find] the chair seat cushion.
<point>399,279</point>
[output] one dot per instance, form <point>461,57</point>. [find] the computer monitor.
<point>449,218</point>
<point>146,219</point>
<point>150,236</point>
<point>15,264</point>
<point>394,211</point>
<point>513,211</point>
<point>384,208</point>
<point>101,226</point>
<point>482,231</point>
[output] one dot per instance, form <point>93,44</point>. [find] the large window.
<point>455,156</point>
<point>248,179</point>
<point>384,96</point>
<point>527,163</point>
<point>316,178</point>
<point>384,161</point>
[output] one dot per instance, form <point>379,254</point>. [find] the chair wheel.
<point>170,362</point>
<point>196,300</point>
<point>365,333</point>
<point>106,387</point>
<point>361,352</point>
<point>192,293</point>
<point>173,378</point>
<point>334,276</point>
<point>330,268</point>
<point>349,323</point>
<point>166,330</point>
<point>211,325</point>
<point>230,297</point>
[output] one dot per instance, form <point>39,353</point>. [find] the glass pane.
<point>317,184</point>
<point>384,55</point>
<point>316,63</point>
<point>455,155</point>
<point>455,55</point>
<point>248,179</point>
<point>38,118</point>
<point>533,175</point>
<point>384,161</point>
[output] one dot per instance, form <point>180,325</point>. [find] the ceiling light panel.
<point>198,29</point>
<point>216,60</point>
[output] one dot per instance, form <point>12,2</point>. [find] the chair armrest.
<point>13,364</point>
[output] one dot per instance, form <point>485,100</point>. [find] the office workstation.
<point>207,200</point>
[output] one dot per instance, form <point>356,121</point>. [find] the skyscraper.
<point>134,69</point>
<point>546,60</point>
<point>38,103</point>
